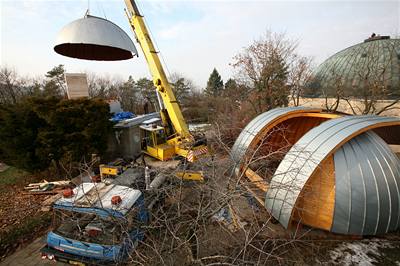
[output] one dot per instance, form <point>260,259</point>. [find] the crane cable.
<point>155,43</point>
<point>100,8</point>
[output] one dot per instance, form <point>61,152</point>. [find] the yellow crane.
<point>94,38</point>
<point>173,137</point>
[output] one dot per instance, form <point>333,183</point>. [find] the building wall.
<point>124,142</point>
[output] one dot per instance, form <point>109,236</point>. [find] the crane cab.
<point>154,141</point>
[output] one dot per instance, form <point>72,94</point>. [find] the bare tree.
<point>264,68</point>
<point>300,73</point>
<point>217,222</point>
<point>13,87</point>
<point>333,92</point>
<point>374,75</point>
<point>10,86</point>
<point>181,86</point>
<point>103,87</point>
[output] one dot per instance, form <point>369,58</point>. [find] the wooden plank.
<point>259,199</point>
<point>316,202</point>
<point>256,179</point>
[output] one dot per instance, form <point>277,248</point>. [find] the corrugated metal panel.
<point>367,187</point>
<point>98,195</point>
<point>136,121</point>
<point>305,156</point>
<point>94,38</point>
<point>252,129</point>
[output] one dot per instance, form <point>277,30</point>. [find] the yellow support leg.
<point>190,175</point>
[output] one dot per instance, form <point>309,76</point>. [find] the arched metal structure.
<point>367,182</point>
<point>326,179</point>
<point>260,126</point>
<point>94,38</point>
<point>275,132</point>
<point>308,153</point>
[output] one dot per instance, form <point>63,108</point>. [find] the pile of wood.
<point>45,187</point>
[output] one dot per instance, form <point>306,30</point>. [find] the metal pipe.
<point>160,102</point>
<point>158,181</point>
<point>147,177</point>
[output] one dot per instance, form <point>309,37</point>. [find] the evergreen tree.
<point>231,88</point>
<point>19,127</point>
<point>181,89</point>
<point>147,91</point>
<point>55,84</point>
<point>39,131</point>
<point>215,85</point>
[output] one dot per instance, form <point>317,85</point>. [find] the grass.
<point>12,176</point>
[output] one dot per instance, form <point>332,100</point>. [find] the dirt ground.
<point>21,218</point>
<point>3,167</point>
<point>236,239</point>
<point>29,255</point>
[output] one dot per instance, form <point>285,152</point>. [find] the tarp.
<point>122,116</point>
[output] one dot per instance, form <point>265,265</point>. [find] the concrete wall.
<point>124,142</point>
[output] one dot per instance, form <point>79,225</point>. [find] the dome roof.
<point>94,38</point>
<point>376,60</point>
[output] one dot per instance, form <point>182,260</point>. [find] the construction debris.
<point>3,167</point>
<point>48,202</point>
<point>46,187</point>
<point>227,216</point>
<point>190,175</point>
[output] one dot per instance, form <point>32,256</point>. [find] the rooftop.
<point>376,60</point>
<point>98,196</point>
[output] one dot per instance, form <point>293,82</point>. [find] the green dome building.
<point>371,67</point>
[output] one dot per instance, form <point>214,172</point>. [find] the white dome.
<point>94,38</point>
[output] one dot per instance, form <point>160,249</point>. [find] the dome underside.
<point>94,38</point>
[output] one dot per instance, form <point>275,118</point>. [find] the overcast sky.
<point>193,36</point>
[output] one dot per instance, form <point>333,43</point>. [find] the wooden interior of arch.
<point>278,137</point>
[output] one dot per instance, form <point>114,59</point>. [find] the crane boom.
<point>161,141</point>
<point>159,77</point>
